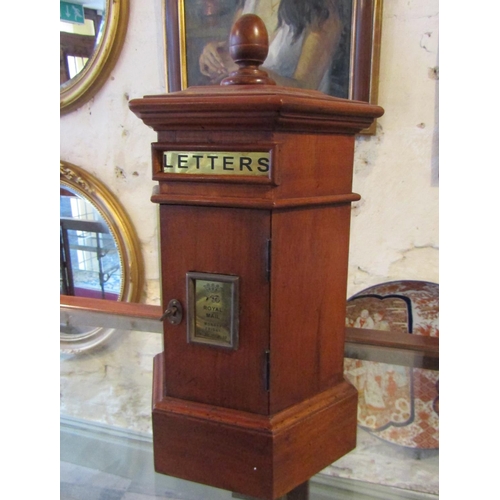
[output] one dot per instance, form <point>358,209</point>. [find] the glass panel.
<point>106,435</point>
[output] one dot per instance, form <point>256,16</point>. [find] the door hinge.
<point>267,370</point>
<point>268,260</point>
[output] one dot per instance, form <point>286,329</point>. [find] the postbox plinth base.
<point>263,456</point>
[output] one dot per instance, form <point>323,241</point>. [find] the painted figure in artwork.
<point>364,320</point>
<point>303,40</point>
<point>397,403</point>
<point>379,323</point>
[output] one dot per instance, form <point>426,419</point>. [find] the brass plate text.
<point>217,163</point>
<point>213,309</point>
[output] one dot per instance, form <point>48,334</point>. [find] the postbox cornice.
<point>252,107</point>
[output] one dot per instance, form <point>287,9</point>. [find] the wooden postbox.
<point>254,188</point>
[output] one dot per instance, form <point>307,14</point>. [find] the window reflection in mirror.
<point>100,253</point>
<point>89,49</point>
<point>90,260</point>
<point>81,26</point>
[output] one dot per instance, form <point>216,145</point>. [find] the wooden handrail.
<point>417,343</point>
<point>129,309</point>
<point>392,340</point>
<point>90,226</point>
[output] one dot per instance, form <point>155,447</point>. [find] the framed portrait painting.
<point>327,45</point>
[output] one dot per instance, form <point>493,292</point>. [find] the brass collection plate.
<point>217,163</point>
<point>213,309</point>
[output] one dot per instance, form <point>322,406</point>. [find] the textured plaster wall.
<point>109,141</point>
<point>111,383</point>
<point>394,233</point>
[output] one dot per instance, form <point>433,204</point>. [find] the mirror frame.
<point>94,191</point>
<point>85,84</point>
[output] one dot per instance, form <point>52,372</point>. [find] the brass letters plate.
<point>213,306</point>
<point>217,163</point>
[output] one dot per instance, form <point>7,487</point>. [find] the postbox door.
<point>214,262</point>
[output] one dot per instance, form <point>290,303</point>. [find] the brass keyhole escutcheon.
<point>173,313</point>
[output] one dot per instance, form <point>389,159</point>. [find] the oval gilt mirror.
<point>100,253</point>
<point>92,34</point>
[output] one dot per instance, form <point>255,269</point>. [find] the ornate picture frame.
<point>190,23</point>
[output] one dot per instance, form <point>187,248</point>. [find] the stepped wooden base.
<point>264,456</point>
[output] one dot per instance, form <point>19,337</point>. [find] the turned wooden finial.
<point>248,46</point>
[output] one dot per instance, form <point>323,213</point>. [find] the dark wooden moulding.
<point>265,417</point>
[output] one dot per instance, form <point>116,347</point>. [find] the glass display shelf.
<point>106,437</point>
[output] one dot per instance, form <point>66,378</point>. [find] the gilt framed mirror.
<point>100,255</point>
<point>92,33</point>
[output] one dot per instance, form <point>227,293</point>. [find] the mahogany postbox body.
<point>254,191</point>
